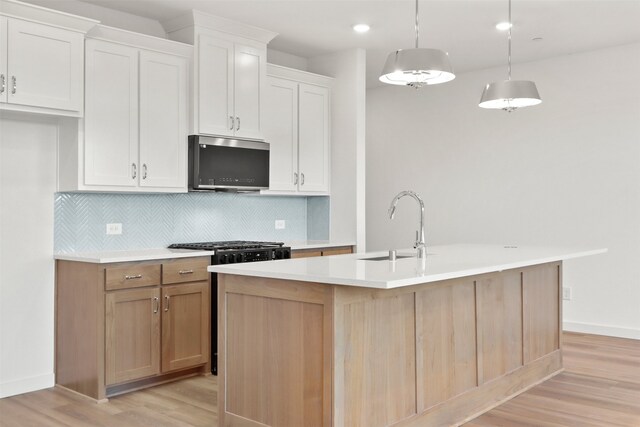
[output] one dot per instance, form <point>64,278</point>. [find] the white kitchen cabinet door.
<point>215,81</point>
<point>281,132</point>
<point>3,59</point>
<point>45,67</point>
<point>250,67</point>
<point>313,138</point>
<point>163,120</point>
<point>111,115</point>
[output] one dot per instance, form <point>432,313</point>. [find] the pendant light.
<point>417,67</point>
<point>509,95</point>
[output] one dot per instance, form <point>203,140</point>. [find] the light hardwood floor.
<point>600,387</point>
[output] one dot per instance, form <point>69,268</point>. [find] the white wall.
<point>27,186</point>
<point>348,105</point>
<point>106,16</point>
<point>565,173</point>
<point>285,59</point>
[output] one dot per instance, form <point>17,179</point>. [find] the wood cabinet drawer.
<point>337,251</point>
<point>132,276</point>
<point>185,270</point>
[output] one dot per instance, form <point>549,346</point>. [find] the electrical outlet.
<point>115,228</point>
<point>280,224</point>
<point>566,294</point>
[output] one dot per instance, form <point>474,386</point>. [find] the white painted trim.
<point>43,15</point>
<point>591,328</point>
<point>143,41</point>
<point>26,385</point>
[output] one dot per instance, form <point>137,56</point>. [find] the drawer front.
<point>337,251</point>
<point>185,270</point>
<point>132,276</point>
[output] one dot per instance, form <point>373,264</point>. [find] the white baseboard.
<point>25,385</point>
<point>612,331</point>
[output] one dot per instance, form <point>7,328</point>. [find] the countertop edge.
<point>130,256</point>
<point>316,244</point>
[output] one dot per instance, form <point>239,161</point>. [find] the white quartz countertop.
<point>442,263</point>
<point>316,244</point>
<point>105,257</point>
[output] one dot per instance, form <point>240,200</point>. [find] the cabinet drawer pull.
<point>134,171</point>
<point>301,179</point>
<point>156,304</point>
<point>233,122</point>
<point>3,83</point>
<point>185,272</point>
<point>238,119</point>
<point>144,171</point>
<point>166,306</point>
<point>137,276</point>
<point>295,178</point>
<point>14,85</point>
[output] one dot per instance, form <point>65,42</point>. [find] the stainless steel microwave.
<point>227,164</point>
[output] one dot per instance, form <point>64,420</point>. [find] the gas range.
<point>238,251</point>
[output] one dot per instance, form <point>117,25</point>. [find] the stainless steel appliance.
<point>232,252</point>
<point>223,164</point>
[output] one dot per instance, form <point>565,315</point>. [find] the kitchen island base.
<point>434,354</point>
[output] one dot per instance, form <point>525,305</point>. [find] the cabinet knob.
<point>2,83</point>
<point>14,85</point>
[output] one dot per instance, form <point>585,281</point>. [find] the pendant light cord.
<point>509,55</point>
<point>418,25</point>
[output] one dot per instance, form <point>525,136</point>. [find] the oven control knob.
<point>222,259</point>
<point>231,258</point>
<point>279,254</point>
<point>238,257</point>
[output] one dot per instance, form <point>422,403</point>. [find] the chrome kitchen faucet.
<point>420,244</point>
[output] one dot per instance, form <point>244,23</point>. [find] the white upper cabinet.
<point>230,72</point>
<point>134,133</point>
<point>163,120</point>
<point>230,78</point>
<point>297,128</point>
<point>215,94</point>
<point>313,138</point>
<point>41,65</point>
<point>111,115</point>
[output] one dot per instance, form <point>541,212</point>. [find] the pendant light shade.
<point>417,67</point>
<point>509,95</point>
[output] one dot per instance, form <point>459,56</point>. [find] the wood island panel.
<point>432,354</point>
<point>446,338</point>
<point>499,308</point>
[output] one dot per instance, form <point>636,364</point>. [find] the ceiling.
<point>464,28</point>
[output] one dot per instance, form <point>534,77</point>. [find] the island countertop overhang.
<point>442,263</point>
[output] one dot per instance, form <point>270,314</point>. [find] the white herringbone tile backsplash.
<point>157,220</point>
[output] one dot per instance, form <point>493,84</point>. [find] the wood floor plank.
<point>599,387</point>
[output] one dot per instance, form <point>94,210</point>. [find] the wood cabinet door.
<point>163,121</point>
<point>185,325</point>
<point>215,86</point>
<point>313,138</point>
<point>281,132</point>
<point>4,78</point>
<point>111,115</point>
<point>132,334</point>
<point>249,81</point>
<point>45,67</point>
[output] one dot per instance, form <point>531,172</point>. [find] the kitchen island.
<point>358,340</point>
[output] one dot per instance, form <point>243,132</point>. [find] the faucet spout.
<point>420,244</point>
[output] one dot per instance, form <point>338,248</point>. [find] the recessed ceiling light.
<point>361,28</point>
<point>503,26</point>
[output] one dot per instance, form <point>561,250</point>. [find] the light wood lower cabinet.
<point>125,326</point>
<point>306,253</point>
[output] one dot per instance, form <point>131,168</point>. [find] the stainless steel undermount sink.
<point>386,258</point>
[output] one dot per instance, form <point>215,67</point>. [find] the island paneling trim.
<point>432,354</point>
